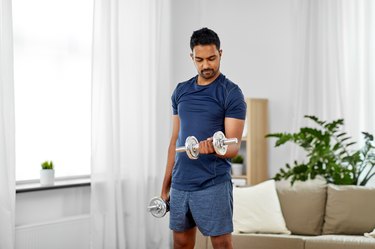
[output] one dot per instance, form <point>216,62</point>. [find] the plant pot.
<point>237,169</point>
<point>47,177</point>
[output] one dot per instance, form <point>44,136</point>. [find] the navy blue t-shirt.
<point>202,110</point>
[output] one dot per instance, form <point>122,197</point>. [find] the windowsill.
<point>64,182</point>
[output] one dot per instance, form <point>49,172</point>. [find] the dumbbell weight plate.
<point>192,147</point>
<point>219,146</point>
<point>159,207</point>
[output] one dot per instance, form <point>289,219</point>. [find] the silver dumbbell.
<point>191,147</point>
<point>158,207</point>
<point>219,141</point>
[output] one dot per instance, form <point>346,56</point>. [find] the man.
<point>200,191</point>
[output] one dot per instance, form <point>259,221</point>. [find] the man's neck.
<point>203,82</point>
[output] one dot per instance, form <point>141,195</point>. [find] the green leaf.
<point>336,146</point>
<point>341,134</point>
<point>349,144</point>
<point>47,165</point>
<point>337,164</point>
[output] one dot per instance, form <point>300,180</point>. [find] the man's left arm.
<point>233,129</point>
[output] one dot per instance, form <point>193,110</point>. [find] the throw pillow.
<point>303,205</point>
<point>370,235</point>
<point>349,209</point>
<point>257,209</point>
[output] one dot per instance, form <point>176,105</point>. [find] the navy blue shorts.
<point>210,209</point>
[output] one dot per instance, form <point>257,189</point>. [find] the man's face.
<point>206,59</point>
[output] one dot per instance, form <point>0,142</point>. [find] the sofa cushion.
<point>349,210</point>
<point>266,241</point>
<point>257,209</point>
<point>303,205</point>
<point>339,242</point>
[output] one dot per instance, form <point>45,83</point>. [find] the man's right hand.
<point>165,197</point>
<point>206,146</point>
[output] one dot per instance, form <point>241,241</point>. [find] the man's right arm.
<point>171,159</point>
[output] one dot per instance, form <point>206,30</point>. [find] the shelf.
<point>239,177</point>
<point>255,142</point>
<point>70,182</point>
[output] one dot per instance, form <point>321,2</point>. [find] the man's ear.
<point>191,55</point>
<point>220,52</point>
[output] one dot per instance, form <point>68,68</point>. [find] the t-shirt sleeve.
<point>235,104</point>
<point>174,102</point>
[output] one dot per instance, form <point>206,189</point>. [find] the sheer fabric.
<point>130,122</point>
<point>334,62</point>
<point>7,130</point>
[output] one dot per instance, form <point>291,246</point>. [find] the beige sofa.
<point>319,216</point>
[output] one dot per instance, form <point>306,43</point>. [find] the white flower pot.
<point>237,169</point>
<point>47,177</point>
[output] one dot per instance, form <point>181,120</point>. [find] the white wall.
<point>257,43</point>
<point>57,218</point>
<point>51,205</point>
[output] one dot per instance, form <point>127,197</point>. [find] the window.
<point>52,77</point>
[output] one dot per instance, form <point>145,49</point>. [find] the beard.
<point>207,73</point>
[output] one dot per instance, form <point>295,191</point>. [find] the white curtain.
<point>335,53</point>
<point>130,122</point>
<point>7,131</point>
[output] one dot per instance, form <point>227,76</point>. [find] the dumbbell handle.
<point>225,142</point>
<point>183,148</point>
<point>230,141</point>
<point>153,207</point>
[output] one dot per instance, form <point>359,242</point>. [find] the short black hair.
<point>204,36</point>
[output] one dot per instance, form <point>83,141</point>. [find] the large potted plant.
<point>329,154</point>
<point>47,174</point>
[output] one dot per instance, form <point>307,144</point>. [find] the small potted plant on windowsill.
<point>47,174</point>
<point>237,165</point>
